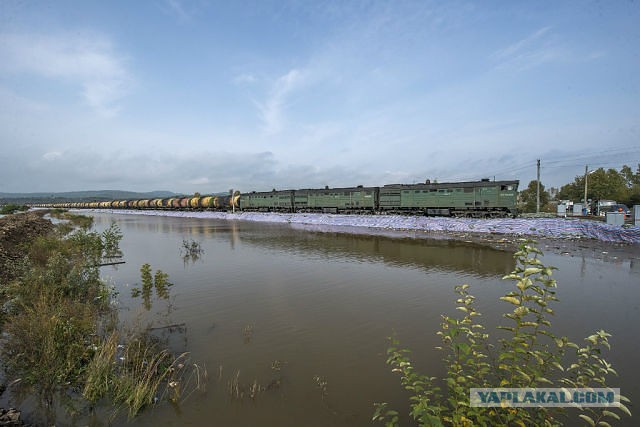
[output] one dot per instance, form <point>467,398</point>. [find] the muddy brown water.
<point>291,309</point>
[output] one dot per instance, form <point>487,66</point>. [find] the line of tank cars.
<point>473,199</point>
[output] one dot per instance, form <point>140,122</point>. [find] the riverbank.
<point>15,230</point>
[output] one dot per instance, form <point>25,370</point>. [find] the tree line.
<point>622,185</point>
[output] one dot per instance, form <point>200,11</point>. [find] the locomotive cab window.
<point>506,188</point>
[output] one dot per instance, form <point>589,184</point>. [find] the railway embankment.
<point>535,228</point>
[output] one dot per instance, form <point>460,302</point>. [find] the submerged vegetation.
<point>159,282</point>
<point>530,355</point>
<point>61,337</point>
<point>191,251</point>
<point>145,374</point>
<point>82,221</point>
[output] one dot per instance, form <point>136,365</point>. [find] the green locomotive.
<point>267,201</point>
<point>333,200</point>
<point>461,199</point>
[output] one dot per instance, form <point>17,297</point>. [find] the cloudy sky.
<point>211,95</point>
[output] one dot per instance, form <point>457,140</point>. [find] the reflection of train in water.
<point>461,199</point>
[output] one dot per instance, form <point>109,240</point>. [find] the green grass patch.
<point>11,209</point>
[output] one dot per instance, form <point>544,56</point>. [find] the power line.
<point>596,155</point>
<point>595,165</point>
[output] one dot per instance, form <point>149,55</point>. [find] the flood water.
<point>291,309</point>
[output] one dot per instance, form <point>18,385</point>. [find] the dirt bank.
<point>15,231</point>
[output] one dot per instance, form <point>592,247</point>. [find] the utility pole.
<point>586,174</point>
<point>538,190</point>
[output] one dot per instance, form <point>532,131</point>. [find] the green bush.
<point>11,209</point>
<point>530,356</point>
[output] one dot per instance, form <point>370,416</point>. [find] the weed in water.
<point>160,282</point>
<point>191,251</point>
<point>140,373</point>
<point>247,333</point>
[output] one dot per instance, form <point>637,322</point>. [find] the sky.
<point>206,96</point>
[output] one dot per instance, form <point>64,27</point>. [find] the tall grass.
<point>140,374</point>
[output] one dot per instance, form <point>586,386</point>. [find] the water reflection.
<point>418,253</point>
<point>406,252</point>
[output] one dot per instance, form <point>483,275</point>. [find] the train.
<point>470,199</point>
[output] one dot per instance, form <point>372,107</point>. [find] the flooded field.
<point>292,324</point>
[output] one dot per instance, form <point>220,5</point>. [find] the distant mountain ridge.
<point>85,195</point>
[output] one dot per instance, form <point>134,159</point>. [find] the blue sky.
<point>205,95</point>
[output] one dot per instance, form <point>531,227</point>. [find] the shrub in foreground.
<point>531,356</point>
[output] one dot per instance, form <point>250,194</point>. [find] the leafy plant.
<point>111,238</point>
<point>159,281</point>
<point>532,355</point>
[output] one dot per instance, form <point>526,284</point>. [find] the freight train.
<point>472,199</point>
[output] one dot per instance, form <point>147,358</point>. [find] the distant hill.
<point>73,196</point>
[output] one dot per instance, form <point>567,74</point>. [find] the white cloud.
<point>199,181</point>
<point>525,44</point>
<point>245,78</point>
<point>183,10</point>
<point>177,8</point>
<point>52,155</point>
<point>273,108</point>
<point>11,102</point>
<point>86,60</point>
<point>202,171</point>
<point>538,48</point>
